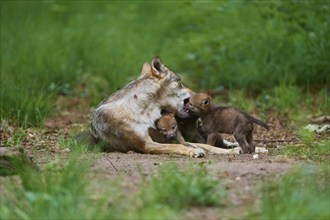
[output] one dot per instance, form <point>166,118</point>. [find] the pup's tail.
<point>261,123</point>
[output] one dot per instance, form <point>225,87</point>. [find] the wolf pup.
<point>228,120</point>
<point>167,128</point>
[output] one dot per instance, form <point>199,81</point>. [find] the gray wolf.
<point>122,120</point>
<point>215,120</point>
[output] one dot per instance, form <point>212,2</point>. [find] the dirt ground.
<point>242,174</point>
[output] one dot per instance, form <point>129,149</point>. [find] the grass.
<point>55,194</point>
<point>62,191</point>
<point>301,194</point>
<point>310,149</point>
<point>49,47</point>
<point>16,138</point>
<point>274,52</point>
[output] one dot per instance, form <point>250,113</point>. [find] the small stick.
<point>113,165</point>
<point>276,140</point>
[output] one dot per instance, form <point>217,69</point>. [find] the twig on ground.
<point>112,165</point>
<point>277,140</point>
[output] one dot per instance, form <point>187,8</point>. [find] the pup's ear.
<point>205,102</point>
<point>146,70</point>
<point>157,68</point>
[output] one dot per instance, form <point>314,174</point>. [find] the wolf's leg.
<point>157,148</point>
<point>240,138</point>
<point>255,149</point>
<point>215,138</point>
<point>216,150</point>
<point>249,140</point>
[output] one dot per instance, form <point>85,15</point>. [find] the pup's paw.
<point>197,152</point>
<point>261,150</point>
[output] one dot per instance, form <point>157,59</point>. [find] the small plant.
<point>17,138</point>
<point>72,144</point>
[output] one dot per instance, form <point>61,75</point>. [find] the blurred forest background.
<point>273,51</point>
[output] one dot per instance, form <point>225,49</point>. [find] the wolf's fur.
<point>228,120</point>
<point>123,119</point>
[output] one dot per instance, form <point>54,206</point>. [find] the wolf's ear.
<point>146,70</point>
<point>157,68</point>
<point>205,102</point>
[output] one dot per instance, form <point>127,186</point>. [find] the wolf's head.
<point>171,93</point>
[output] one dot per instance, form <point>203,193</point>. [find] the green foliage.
<point>63,189</point>
<point>173,189</point>
<point>51,194</point>
<point>239,100</point>
<point>49,46</point>
<point>301,194</point>
<point>310,149</point>
<point>281,98</point>
<point>16,138</point>
<point>255,44</point>
<point>316,152</point>
<point>72,144</point>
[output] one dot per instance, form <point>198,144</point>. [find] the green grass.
<point>48,47</point>
<point>173,190</point>
<point>16,138</point>
<point>65,190</point>
<point>310,149</point>
<point>300,194</point>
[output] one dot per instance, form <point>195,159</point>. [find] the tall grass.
<point>47,46</point>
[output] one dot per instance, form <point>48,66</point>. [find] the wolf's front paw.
<point>197,152</point>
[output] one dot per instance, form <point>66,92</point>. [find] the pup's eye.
<point>163,129</point>
<point>173,126</point>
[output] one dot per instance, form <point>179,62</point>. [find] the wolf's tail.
<point>261,123</point>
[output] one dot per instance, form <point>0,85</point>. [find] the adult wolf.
<point>123,119</point>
